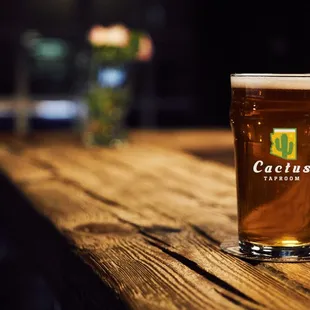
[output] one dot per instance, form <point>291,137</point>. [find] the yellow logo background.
<point>284,143</point>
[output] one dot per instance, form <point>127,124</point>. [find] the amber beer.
<point>270,118</point>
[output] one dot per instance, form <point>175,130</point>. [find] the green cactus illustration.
<point>284,147</point>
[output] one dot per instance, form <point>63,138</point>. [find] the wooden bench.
<point>138,227</point>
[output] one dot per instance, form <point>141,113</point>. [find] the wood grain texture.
<point>149,220</point>
<point>21,170</point>
<point>143,275</point>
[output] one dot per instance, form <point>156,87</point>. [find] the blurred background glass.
<point>44,56</point>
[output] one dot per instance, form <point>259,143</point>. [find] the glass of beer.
<point>270,119</point>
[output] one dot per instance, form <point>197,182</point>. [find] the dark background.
<point>198,44</point>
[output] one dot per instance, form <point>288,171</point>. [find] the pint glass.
<point>270,119</point>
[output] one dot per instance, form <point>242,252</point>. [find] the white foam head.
<point>271,81</point>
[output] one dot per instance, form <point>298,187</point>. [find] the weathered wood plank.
<point>138,184</point>
<point>297,274</point>
<point>236,273</point>
<point>160,194</point>
<point>96,232</point>
<point>143,275</point>
<point>20,169</point>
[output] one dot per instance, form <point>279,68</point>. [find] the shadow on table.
<point>225,157</point>
<point>38,270</point>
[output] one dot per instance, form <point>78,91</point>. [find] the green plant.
<point>114,46</point>
<point>107,108</point>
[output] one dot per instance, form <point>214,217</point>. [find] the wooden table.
<point>138,227</point>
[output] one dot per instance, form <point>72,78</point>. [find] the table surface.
<point>147,219</point>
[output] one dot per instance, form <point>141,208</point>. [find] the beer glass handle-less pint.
<point>270,119</point>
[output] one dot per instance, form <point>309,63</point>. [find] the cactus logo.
<point>284,143</point>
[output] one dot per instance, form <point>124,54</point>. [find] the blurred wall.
<point>197,45</point>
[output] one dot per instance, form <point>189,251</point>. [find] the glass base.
<point>257,252</point>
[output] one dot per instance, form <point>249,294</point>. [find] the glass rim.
<point>262,75</point>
